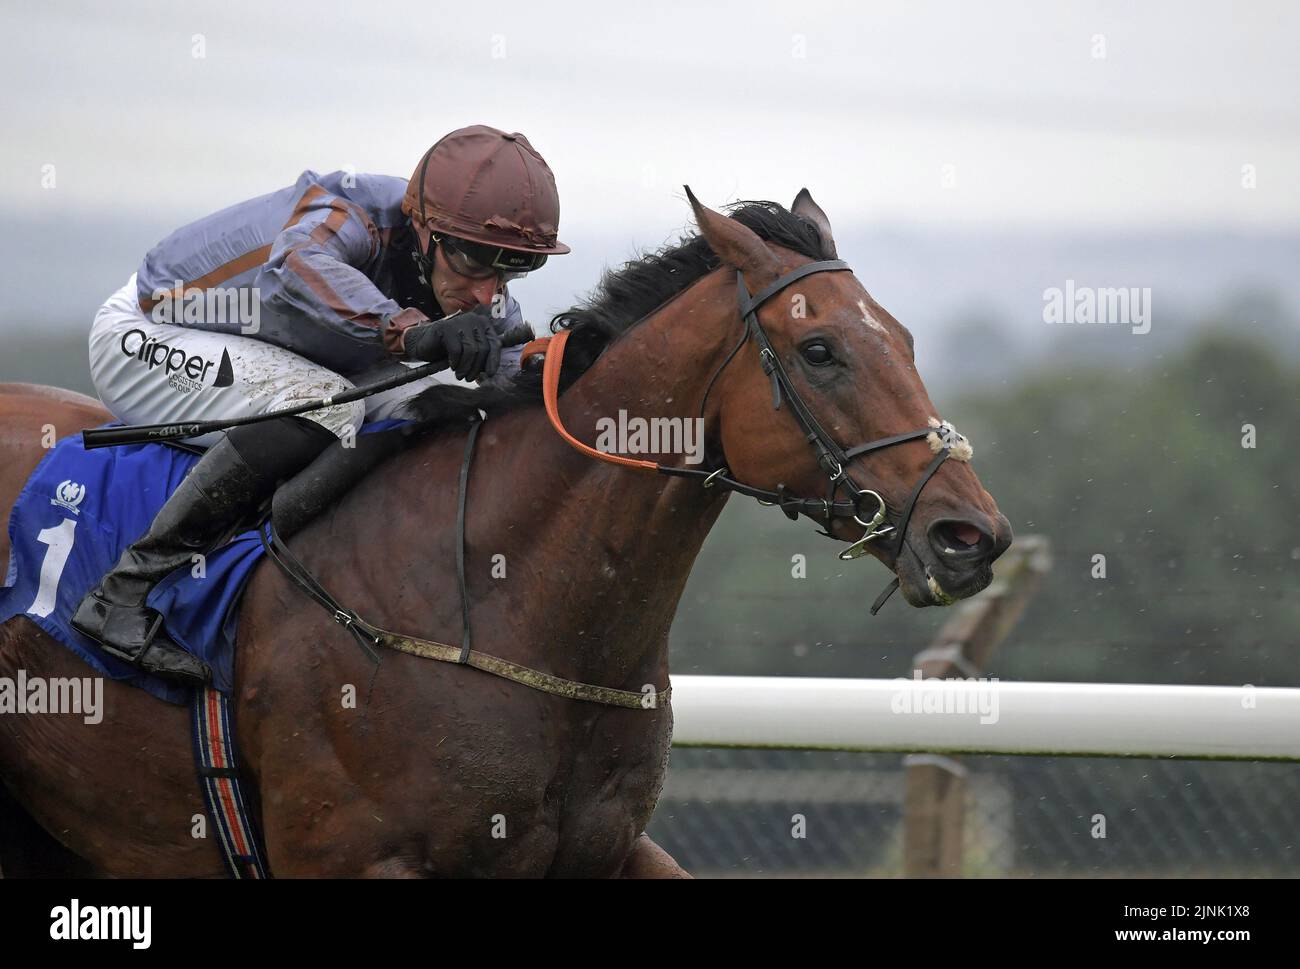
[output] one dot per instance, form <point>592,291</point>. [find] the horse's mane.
<point>623,297</point>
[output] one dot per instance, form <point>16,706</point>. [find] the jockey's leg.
<point>234,376</point>
<point>337,469</point>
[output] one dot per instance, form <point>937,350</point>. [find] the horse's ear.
<point>735,244</point>
<point>810,210</point>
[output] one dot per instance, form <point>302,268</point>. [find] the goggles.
<point>475,260</point>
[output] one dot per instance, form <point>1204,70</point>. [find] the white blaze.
<point>868,319</point>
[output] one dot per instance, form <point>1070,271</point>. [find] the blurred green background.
<point>1137,460</point>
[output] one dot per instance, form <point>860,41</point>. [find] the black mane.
<point>623,297</point>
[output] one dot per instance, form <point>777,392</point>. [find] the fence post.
<point>934,796</point>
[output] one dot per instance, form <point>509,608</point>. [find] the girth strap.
<point>217,761</point>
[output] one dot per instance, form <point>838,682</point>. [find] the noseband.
<point>831,458</point>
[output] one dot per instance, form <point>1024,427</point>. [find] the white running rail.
<point>988,717</point>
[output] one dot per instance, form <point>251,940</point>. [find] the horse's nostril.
<point>960,539</point>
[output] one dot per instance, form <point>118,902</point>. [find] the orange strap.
<point>551,396</point>
<point>532,348</point>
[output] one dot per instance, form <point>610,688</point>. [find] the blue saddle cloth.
<point>77,513</point>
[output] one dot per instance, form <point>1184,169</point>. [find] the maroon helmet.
<point>491,195</point>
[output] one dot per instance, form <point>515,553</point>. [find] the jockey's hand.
<point>518,335</point>
<point>469,342</point>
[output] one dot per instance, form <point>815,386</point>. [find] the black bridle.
<point>831,458</point>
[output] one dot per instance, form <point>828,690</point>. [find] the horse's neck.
<point>595,556</point>
<point>632,536</point>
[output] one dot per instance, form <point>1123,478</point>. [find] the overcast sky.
<point>866,103</point>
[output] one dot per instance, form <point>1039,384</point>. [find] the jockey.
<point>300,294</point>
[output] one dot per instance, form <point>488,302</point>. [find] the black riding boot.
<point>230,481</point>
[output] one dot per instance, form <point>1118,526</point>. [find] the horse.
<point>574,566</point>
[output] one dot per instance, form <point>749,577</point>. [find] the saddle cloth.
<point>78,511</point>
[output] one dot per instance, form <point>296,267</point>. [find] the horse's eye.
<point>818,354</point>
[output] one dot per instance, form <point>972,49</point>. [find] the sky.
<point>864,103</point>
<point>125,120</point>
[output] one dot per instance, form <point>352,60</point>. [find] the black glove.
<point>518,335</point>
<point>469,342</point>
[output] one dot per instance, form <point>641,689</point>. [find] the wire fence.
<point>769,813</point>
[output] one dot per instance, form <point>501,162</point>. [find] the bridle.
<point>831,458</point>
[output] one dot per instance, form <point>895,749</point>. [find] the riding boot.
<point>229,482</point>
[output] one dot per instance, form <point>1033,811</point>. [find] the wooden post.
<point>934,797</point>
<point>934,802</point>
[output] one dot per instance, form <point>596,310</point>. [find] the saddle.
<point>80,508</point>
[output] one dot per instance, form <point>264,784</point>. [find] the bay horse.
<point>575,567</point>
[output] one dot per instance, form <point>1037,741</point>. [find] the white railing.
<point>988,717</point>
